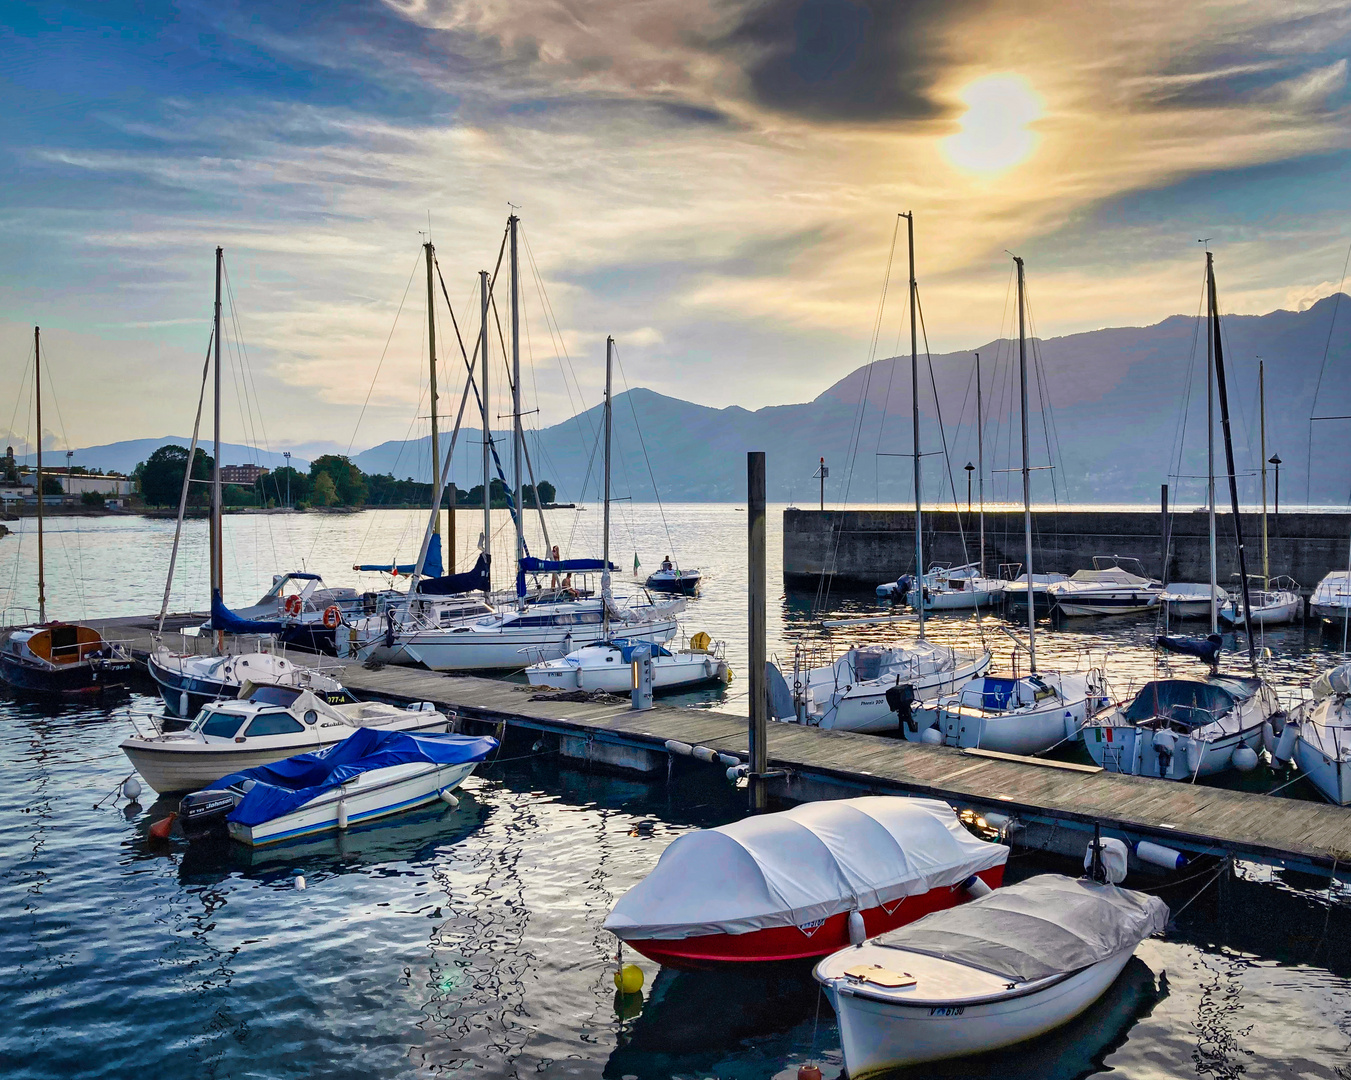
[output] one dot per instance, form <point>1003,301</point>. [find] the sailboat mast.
<point>516,396</point>
<point>605,543</point>
<point>980,462</point>
<point>483,408</point>
<point>1262,410</point>
<point>1229,460</point>
<point>217,539</point>
<point>37,384</point>
<point>1210,445</point>
<point>1027,473</point>
<point>914,421</point>
<point>431,353</point>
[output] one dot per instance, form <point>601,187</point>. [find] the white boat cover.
<point>1047,925</point>
<point>800,866</point>
<point>1334,681</point>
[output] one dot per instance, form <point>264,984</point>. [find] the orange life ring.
<point>292,605</point>
<point>332,617</point>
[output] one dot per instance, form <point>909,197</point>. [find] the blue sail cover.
<point>222,618</point>
<point>287,785</point>
<point>1207,648</point>
<point>627,645</point>
<point>450,584</point>
<point>431,567</point>
<point>531,565</point>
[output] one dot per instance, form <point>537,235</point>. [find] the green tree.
<point>274,484</point>
<point>94,499</point>
<point>52,486</point>
<point>347,479</point>
<point>323,490</point>
<point>161,476</point>
<point>547,492</point>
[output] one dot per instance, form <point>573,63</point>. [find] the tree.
<point>348,481</point>
<point>161,476</point>
<point>94,499</point>
<point>274,484</point>
<point>52,486</point>
<point>323,490</point>
<point>547,492</point>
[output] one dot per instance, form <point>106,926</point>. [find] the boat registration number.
<point>947,1010</point>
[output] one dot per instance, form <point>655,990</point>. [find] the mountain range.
<point>1113,414</point>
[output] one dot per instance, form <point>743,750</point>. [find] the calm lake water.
<point>470,940</point>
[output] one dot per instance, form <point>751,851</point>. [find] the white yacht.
<point>608,666</point>
<point>1191,600</point>
<point>1108,589</point>
<point>1331,599</point>
<point>187,682</point>
<point>954,588</point>
<point>1323,735</point>
<point>1027,715</point>
<point>1279,603</point>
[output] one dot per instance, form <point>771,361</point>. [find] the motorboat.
<point>803,882</point>
<point>1020,715</point>
<point>671,579</point>
<point>850,694</point>
<point>607,665</point>
<point>265,724</point>
<point>955,588</point>
<point>1191,600</point>
<point>1184,729</point>
<point>1013,591</point>
<point>1007,967</point>
<point>187,682</point>
<point>309,611</point>
<point>1331,599</point>
<point>62,658</point>
<point>1108,589</point>
<point>1279,603</point>
<point>1322,736</point>
<point>371,774</point>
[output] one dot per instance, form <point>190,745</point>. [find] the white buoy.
<point>704,753</point>
<point>1285,746</point>
<point>448,797</point>
<point>1114,858</point>
<point>729,759</point>
<point>975,887</point>
<point>183,704</point>
<point>342,813</point>
<point>736,772</point>
<point>300,881</point>
<point>675,746</point>
<point>1158,855</point>
<point>1195,754</point>
<point>932,737</point>
<point>1003,823</point>
<point>131,788</point>
<point>858,933</point>
<point>1244,759</point>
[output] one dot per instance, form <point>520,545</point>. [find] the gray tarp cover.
<point>1047,925</point>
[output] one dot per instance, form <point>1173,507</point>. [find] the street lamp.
<point>969,470</point>
<point>287,455</point>
<point>1275,459</point>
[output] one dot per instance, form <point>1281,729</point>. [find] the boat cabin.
<point>66,643</point>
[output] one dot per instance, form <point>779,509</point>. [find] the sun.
<point>994,135</point>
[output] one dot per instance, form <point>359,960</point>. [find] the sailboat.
<point>1279,600</point>
<point>1183,729</point>
<point>547,625</point>
<point>605,665</point>
<point>850,694</point>
<point>1031,713</point>
<point>1321,731</point>
<point>57,657</point>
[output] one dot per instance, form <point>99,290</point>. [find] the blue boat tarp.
<point>286,785</point>
<point>1207,648</point>
<point>531,565</point>
<point>627,645</point>
<point>222,618</point>
<point>431,566</point>
<point>470,581</point>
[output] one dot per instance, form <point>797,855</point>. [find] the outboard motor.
<point>899,700</point>
<point>203,813</point>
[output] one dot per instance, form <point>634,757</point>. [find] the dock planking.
<point>1192,817</point>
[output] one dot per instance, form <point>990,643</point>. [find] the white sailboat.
<point>1032,713</point>
<point>850,693</point>
<point>1322,736</point>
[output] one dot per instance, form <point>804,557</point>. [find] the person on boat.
<point>666,563</point>
<point>553,554</point>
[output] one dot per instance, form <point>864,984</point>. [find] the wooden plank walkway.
<point>1188,816</point>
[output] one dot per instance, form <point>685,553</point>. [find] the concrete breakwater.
<point>862,548</point>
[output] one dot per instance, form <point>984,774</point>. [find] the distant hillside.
<point>1117,416</point>
<point>126,455</point>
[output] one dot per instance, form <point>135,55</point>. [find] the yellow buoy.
<point>629,979</point>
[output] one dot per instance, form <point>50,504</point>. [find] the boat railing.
<point>13,617</point>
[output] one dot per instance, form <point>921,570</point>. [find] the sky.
<point>716,183</point>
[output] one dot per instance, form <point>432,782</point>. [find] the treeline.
<point>332,480</point>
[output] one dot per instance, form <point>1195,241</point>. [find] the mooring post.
<point>1163,532</point>
<point>755,570</point>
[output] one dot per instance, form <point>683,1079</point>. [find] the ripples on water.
<point>471,940</point>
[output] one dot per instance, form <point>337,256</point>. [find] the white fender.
<point>858,933</point>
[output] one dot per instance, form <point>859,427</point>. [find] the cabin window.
<point>274,723</point>
<point>222,725</point>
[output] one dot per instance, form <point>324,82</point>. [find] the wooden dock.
<point>1057,805</point>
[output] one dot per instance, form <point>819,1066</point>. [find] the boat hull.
<point>863,706</point>
<point>1083,605</point>
<point>87,677</point>
<point>1024,732</point>
<point>678,672</point>
<point>1126,749</point>
<point>779,943</point>
<point>877,1035</point>
<point>376,796</point>
<point>469,649</point>
<point>1329,772</point>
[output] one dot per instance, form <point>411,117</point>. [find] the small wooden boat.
<point>1002,969</point>
<point>804,882</point>
<point>62,658</point>
<point>369,775</point>
<point>607,665</point>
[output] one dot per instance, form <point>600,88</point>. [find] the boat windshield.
<point>274,695</point>
<point>221,725</point>
<point>1181,701</point>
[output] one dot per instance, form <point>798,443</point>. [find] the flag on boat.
<point>636,564</point>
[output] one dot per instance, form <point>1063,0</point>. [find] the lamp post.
<point>69,454</point>
<point>1275,459</point>
<point>969,470</point>
<point>287,455</point>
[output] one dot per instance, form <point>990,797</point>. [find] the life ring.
<point>332,617</point>
<point>292,605</point>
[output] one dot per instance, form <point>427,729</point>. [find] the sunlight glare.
<point>994,135</point>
